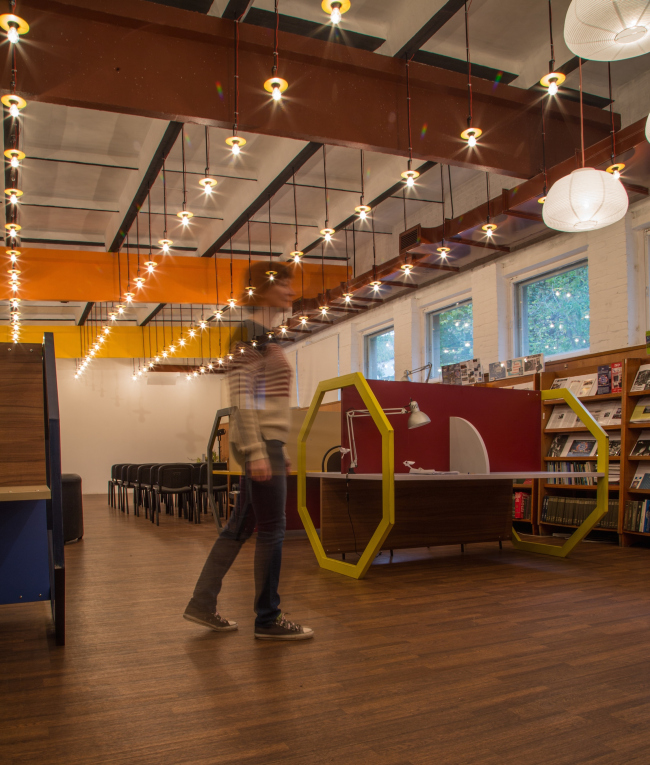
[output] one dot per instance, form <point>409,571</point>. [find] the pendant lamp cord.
<point>469,66</point>
<point>611,109</point>
<point>442,190</point>
<point>295,211</point>
<point>582,120</point>
<point>327,215</point>
<point>408,110</point>
<point>551,63</point>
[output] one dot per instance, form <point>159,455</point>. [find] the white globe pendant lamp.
<point>585,200</point>
<point>608,30</point>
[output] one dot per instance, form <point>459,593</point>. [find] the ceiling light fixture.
<point>362,209</point>
<point>276,85</point>
<point>488,227</point>
<point>335,9</point>
<point>297,253</point>
<point>587,199</point>
<point>409,175</point>
<point>165,243</point>
<point>14,26</point>
<point>13,195</point>
<point>327,233</point>
<point>14,103</point>
<point>553,79</point>
<point>15,156</point>
<point>471,133</point>
<point>615,168</point>
<point>607,30</point>
<point>234,141</point>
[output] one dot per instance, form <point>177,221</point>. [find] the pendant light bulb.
<point>219,314</point>
<point>335,9</point>
<point>185,216</point>
<point>616,169</point>
<point>235,142</point>
<point>296,255</point>
<point>304,320</point>
<point>489,229</point>
<point>363,211</point>
<point>552,81</point>
<point>471,135</point>
<point>15,162</point>
<point>410,176</point>
<point>151,265</point>
<point>276,87</point>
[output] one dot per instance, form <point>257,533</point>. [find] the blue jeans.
<point>262,505</point>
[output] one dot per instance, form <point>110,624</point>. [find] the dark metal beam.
<point>276,184</point>
<point>155,166</point>
<point>326,32</point>
<point>85,313</point>
<point>153,314</point>
<point>435,23</point>
<point>373,204</point>
<point>460,65</point>
<point>360,96</point>
<point>236,9</point>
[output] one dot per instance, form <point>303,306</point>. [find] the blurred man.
<point>260,388</point>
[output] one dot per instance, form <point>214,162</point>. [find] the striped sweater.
<point>260,388</point>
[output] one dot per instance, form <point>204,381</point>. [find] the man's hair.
<point>261,278</point>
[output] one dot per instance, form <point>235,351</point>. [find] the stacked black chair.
<point>174,481</point>
<point>129,479</point>
<point>112,484</point>
<point>141,489</point>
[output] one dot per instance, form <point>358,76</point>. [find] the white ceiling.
<point>95,160</point>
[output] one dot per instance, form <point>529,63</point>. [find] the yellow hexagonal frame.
<point>359,569</point>
<point>602,484</point>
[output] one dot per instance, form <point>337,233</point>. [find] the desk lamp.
<point>406,377</point>
<point>416,420</point>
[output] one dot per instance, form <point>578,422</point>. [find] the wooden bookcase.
<point>632,358</point>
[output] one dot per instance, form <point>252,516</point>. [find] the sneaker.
<point>282,629</point>
<point>213,621</point>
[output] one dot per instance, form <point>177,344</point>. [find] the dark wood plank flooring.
<point>486,658</point>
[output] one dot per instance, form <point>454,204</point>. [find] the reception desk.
<point>429,510</point>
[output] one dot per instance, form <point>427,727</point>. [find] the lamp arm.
<point>428,367</point>
<point>351,414</point>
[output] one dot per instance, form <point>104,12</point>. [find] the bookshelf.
<point>620,493</point>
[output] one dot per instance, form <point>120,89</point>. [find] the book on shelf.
<point>614,445</point>
<point>521,504</point>
<point>558,444</point>
<point>606,412</point>
<point>641,411</point>
<point>641,478</point>
<point>572,511</point>
<point>571,467</point>
<point>562,416</point>
<point>588,386</point>
<point>617,377</point>
<point>642,379</point>
<point>637,516</point>
<point>642,447</point>
<point>604,379</point>
<point>581,447</point>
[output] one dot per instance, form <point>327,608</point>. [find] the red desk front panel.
<point>508,420</point>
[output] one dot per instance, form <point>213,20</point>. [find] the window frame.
<point>432,355</point>
<point>520,331</point>
<point>367,340</point>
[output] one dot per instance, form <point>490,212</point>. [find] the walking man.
<point>260,387</point>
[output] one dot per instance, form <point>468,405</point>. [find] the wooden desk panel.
<point>426,514</point>
<point>22,423</point>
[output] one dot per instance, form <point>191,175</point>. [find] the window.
<point>451,336</point>
<point>380,355</point>
<point>553,312</point>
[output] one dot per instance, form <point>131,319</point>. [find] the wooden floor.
<point>487,658</point>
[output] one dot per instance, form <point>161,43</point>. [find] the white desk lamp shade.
<point>608,30</point>
<point>585,200</point>
<point>417,418</point>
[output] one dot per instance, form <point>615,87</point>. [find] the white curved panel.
<point>467,452</point>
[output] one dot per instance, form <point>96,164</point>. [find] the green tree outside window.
<point>554,313</point>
